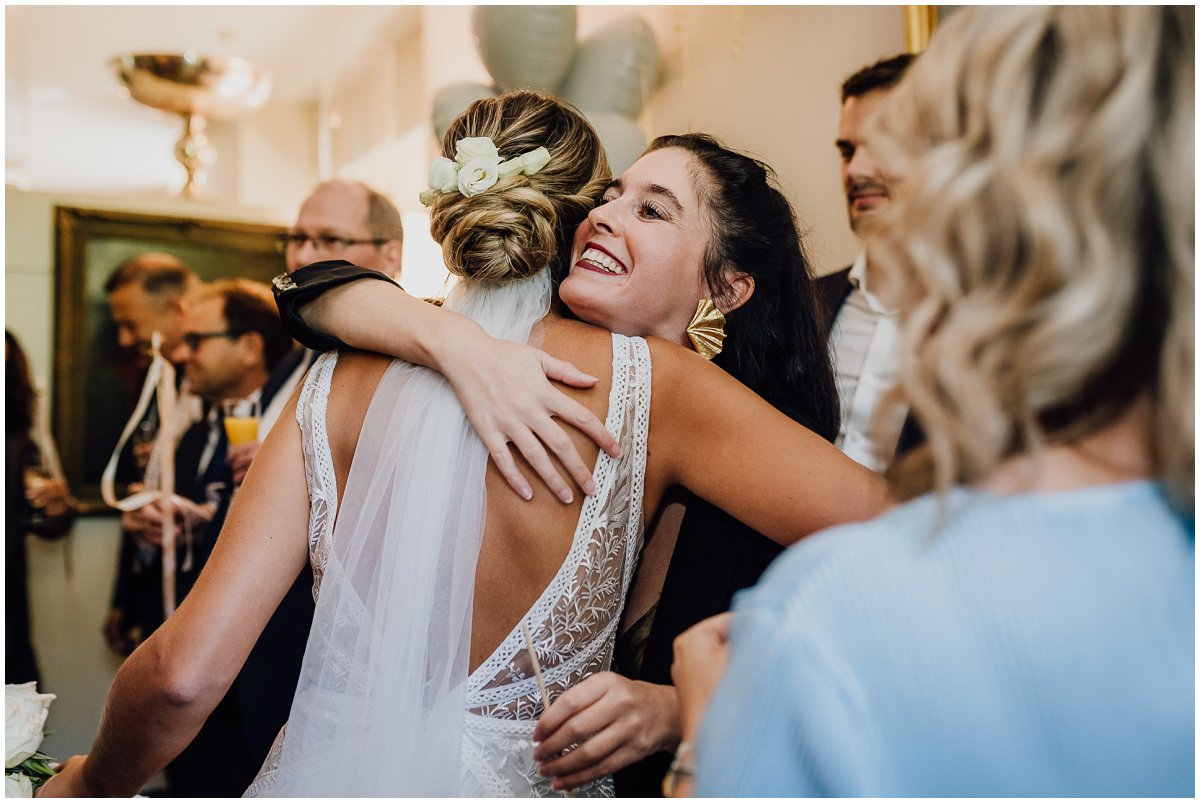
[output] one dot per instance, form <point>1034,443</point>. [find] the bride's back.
<point>525,543</point>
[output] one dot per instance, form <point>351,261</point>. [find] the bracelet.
<point>682,766</point>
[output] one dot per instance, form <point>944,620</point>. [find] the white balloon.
<point>621,137</point>
<point>615,69</point>
<point>453,100</point>
<point>525,47</point>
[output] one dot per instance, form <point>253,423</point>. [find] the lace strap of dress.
<point>311,406</point>
<point>574,620</point>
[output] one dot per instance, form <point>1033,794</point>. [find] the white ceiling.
<point>70,127</point>
<point>65,50</point>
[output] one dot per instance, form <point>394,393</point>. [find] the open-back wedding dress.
<point>385,704</point>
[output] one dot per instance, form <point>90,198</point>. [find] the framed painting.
<point>94,391</point>
<point>919,24</point>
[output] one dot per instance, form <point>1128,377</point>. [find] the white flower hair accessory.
<point>476,167</point>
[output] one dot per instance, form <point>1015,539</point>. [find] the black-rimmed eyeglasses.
<point>193,339</point>
<point>322,242</point>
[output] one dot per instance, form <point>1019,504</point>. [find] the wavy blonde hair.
<point>522,223</point>
<point>1044,215</point>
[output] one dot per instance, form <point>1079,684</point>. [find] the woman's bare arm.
<point>713,436</point>
<point>168,687</point>
<point>503,386</point>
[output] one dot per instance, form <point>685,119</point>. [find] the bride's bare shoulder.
<point>354,368</point>
<point>352,387</point>
<point>588,347</point>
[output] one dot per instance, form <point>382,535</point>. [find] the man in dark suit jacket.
<point>146,294</point>
<point>861,300</point>
<point>232,338</point>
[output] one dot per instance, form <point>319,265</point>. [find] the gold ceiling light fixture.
<point>198,89</point>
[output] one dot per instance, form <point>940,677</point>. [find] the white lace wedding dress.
<point>573,624</point>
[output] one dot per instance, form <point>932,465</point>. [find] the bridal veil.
<point>379,708</point>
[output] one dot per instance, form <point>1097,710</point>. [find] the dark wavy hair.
<point>18,389</point>
<point>775,344</point>
<point>883,74</point>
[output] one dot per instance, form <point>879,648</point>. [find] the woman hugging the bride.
<point>450,612</point>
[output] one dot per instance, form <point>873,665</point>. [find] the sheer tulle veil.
<point>379,706</point>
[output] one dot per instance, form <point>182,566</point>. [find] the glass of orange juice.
<point>241,420</point>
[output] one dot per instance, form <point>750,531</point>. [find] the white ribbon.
<point>160,380</point>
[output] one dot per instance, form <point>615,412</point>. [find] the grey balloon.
<point>453,100</point>
<point>615,68</point>
<point>525,47</point>
<point>621,137</point>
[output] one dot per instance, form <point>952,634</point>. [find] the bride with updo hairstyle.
<point>449,612</point>
<point>522,223</point>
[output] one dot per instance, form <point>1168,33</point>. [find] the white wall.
<point>767,80</point>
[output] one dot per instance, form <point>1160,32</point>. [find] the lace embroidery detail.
<point>318,462</point>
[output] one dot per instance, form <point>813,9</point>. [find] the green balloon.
<point>621,137</point>
<point>451,101</point>
<point>615,69</point>
<point>525,47</point>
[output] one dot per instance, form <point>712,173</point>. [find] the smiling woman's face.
<point>636,262</point>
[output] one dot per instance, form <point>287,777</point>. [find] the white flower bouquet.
<point>25,712</point>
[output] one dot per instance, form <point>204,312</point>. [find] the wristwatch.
<point>683,766</point>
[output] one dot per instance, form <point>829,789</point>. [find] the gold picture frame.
<point>919,24</point>
<point>94,392</point>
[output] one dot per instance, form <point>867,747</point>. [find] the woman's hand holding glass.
<point>614,720</point>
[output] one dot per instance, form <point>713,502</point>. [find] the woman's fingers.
<point>534,452</point>
<point>497,446</point>
<point>562,711</point>
<point>590,760</point>
<point>552,435</point>
<point>565,372</point>
<point>584,420</point>
<point>618,759</point>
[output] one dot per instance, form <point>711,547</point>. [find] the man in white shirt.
<point>861,300</point>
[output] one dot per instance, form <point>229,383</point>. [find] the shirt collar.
<point>858,280</point>
<point>858,272</point>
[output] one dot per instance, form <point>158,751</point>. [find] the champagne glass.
<point>241,420</point>
<point>141,440</point>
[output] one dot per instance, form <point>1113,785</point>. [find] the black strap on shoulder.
<point>294,290</point>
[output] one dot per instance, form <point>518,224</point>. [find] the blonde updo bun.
<point>522,223</point>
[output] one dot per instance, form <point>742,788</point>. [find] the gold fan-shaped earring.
<point>707,329</point>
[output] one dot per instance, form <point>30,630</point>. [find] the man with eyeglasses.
<point>231,339</point>
<point>346,220</point>
<point>340,220</point>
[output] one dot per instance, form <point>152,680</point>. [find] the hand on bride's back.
<point>506,392</point>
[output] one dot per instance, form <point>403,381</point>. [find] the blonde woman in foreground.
<point>1026,626</point>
